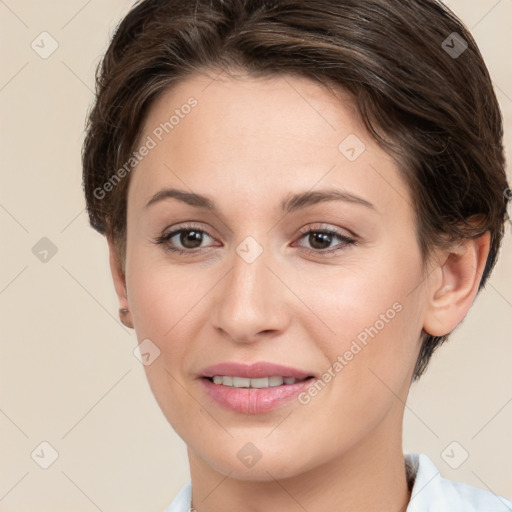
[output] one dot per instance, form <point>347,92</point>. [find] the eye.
<point>320,241</point>
<point>189,240</point>
<point>185,239</point>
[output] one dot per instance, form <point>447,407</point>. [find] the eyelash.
<point>344,240</point>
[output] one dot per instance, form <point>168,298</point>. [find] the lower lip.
<point>254,400</point>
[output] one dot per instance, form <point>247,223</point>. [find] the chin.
<point>258,462</point>
<point>273,468</point>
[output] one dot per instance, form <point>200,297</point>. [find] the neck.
<point>371,477</point>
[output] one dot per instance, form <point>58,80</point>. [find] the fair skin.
<point>248,145</point>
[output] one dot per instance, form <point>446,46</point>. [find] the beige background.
<point>68,375</point>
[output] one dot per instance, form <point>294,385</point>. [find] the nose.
<point>250,303</point>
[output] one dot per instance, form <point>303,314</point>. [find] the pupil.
<point>189,239</point>
<point>322,238</point>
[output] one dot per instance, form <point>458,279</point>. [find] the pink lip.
<point>253,400</point>
<point>254,370</point>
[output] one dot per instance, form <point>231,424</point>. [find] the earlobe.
<point>119,280</point>
<point>454,283</point>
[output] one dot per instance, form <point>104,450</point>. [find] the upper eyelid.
<point>324,227</point>
<point>308,228</point>
<point>192,227</point>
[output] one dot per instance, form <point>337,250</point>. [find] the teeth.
<point>259,383</point>
<point>278,381</point>
<point>243,382</point>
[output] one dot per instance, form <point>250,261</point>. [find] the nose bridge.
<point>250,301</point>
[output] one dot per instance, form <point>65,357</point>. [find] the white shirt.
<point>430,492</point>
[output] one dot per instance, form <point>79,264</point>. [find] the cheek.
<point>162,302</point>
<point>374,325</point>
<point>160,294</point>
<point>368,368</point>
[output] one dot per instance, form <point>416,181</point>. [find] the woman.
<point>301,201</point>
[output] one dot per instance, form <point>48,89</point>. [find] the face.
<point>300,252</point>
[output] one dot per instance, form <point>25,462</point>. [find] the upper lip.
<point>253,370</point>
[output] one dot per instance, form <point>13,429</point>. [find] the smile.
<point>244,382</point>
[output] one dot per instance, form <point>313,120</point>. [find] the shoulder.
<point>432,492</point>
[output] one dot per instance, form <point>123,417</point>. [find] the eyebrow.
<point>292,203</point>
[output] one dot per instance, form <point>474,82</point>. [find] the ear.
<point>119,284</point>
<point>453,284</point>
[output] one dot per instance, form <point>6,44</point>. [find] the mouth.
<point>253,388</point>
<point>258,383</point>
<point>257,371</point>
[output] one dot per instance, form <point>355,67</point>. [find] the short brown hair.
<point>414,71</point>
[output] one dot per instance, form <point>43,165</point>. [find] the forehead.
<point>256,115</point>
<point>257,136</point>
